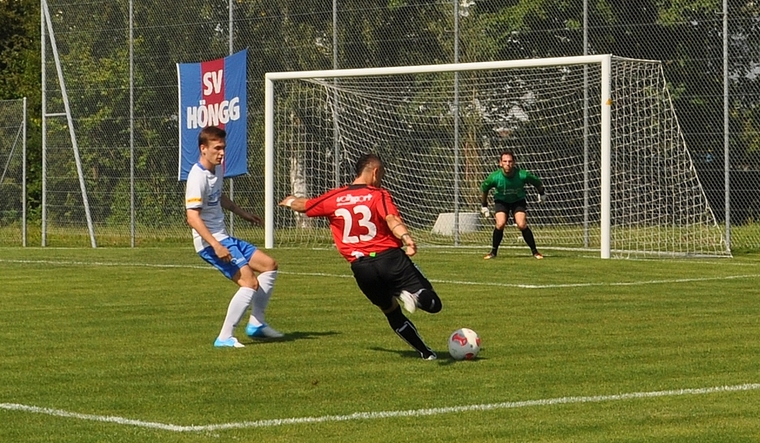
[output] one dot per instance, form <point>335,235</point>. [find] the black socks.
<point>406,330</point>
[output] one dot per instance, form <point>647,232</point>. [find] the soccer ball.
<point>464,344</point>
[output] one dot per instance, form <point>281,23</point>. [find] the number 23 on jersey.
<point>357,224</point>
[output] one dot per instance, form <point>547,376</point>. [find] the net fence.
<point>12,173</point>
<point>124,116</point>
<point>550,117</point>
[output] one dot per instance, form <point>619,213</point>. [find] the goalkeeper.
<point>509,184</point>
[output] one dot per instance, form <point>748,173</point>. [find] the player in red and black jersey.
<point>368,231</point>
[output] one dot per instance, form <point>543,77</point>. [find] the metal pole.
<point>268,163</point>
<point>456,124</point>
<point>606,104</point>
<point>70,122</point>
<point>336,131</point>
<point>43,79</point>
<point>132,218</point>
<point>586,173</point>
<point>23,181</point>
<point>230,48</point>
<point>726,151</point>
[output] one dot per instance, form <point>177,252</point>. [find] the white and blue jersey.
<point>204,191</point>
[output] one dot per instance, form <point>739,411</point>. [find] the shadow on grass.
<point>443,357</point>
<point>293,336</point>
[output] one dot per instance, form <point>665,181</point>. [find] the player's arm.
<point>538,184</point>
<point>297,204</point>
<point>484,204</point>
<point>484,199</point>
<point>485,187</point>
<point>237,210</point>
<point>196,222</point>
<point>401,232</point>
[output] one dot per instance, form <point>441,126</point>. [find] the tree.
<point>20,65</point>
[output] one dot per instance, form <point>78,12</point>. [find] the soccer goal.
<point>599,130</point>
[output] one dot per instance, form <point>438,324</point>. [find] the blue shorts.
<point>241,252</point>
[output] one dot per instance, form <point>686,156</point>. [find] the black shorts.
<point>502,206</point>
<point>385,275</point>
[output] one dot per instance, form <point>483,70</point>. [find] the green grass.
<point>127,333</point>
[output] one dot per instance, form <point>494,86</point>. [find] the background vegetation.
<point>92,39</point>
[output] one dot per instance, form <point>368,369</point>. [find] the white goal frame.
<point>605,174</point>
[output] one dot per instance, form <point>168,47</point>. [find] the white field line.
<point>455,282</point>
<point>377,415</point>
<point>583,285</point>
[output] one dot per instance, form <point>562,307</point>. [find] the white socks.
<point>261,297</point>
<point>235,311</point>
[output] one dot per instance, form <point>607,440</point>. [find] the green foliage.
<point>674,13</point>
<point>293,35</point>
<point>19,49</point>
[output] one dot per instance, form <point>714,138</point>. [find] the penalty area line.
<point>432,280</point>
<point>378,415</point>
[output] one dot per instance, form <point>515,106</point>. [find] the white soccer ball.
<point>464,344</point>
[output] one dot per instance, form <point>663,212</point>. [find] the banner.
<point>213,93</point>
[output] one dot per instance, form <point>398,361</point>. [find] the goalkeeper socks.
<point>406,330</point>
<point>529,240</point>
<point>498,234</point>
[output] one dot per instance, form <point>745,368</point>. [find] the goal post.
<point>641,194</point>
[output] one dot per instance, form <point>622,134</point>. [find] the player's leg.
<point>416,289</point>
<point>368,277</point>
<point>237,271</point>
<point>500,220</point>
<point>266,267</point>
<point>405,329</point>
<point>521,220</point>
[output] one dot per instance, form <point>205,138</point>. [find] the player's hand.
<point>484,210</point>
<point>411,246</point>
<point>222,252</point>
<point>287,201</point>
<point>254,219</point>
<point>411,249</point>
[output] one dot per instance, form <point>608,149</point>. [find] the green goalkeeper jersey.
<point>510,189</point>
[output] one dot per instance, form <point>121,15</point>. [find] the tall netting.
<point>550,117</point>
<point>127,172</point>
<point>117,61</point>
<point>12,172</point>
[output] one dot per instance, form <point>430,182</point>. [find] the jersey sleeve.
<point>533,179</point>
<point>487,183</point>
<point>387,206</point>
<point>194,191</point>
<point>317,207</point>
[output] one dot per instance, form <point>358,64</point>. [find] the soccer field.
<point>115,345</point>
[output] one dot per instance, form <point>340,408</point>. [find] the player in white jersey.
<point>237,259</point>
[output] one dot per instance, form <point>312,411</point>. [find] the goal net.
<point>600,131</point>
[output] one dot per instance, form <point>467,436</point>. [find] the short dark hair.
<point>366,161</point>
<point>211,133</point>
<point>509,153</point>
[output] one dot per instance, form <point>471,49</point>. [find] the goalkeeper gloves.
<point>542,197</point>
<point>484,210</point>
